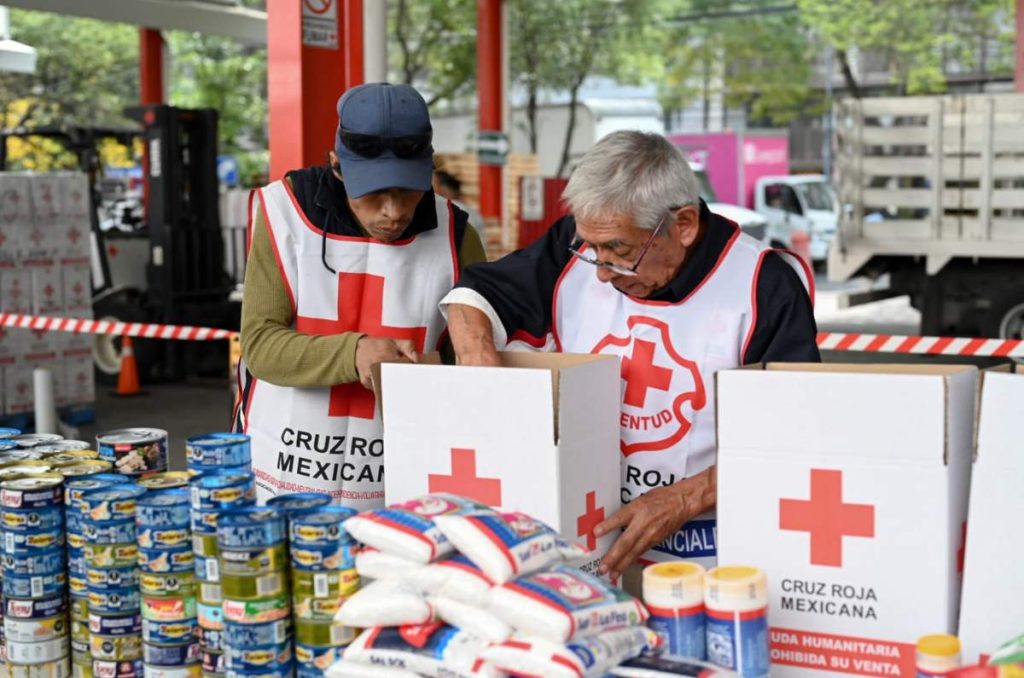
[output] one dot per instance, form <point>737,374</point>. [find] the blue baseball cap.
<point>376,119</point>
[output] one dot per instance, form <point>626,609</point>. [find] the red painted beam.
<point>151,67</point>
<point>491,93</point>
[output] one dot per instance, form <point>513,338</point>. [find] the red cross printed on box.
<point>640,373</point>
<point>74,234</point>
<point>586,523</point>
<point>464,480</point>
<point>21,388</point>
<point>78,289</point>
<point>48,291</point>
<point>37,236</point>
<point>112,251</point>
<point>360,309</point>
<point>827,518</point>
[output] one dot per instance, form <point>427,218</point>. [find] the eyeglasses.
<point>371,145</point>
<point>577,244</point>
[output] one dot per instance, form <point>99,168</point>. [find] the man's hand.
<point>653,517</point>
<point>472,336</point>
<point>373,350</point>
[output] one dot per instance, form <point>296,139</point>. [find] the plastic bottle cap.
<point>673,584</point>
<point>939,645</point>
<point>736,587</point>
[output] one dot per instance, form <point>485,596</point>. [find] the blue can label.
<point>251,527</point>
<point>107,578</point>
<point>681,630</point>
<point>121,625</point>
<point>210,616</point>
<point>33,520</point>
<point>267,658</point>
<point>169,632</point>
<point>113,503</point>
<point>159,561</point>
<point>338,556</point>
<point>23,543</point>
<point>114,601</point>
<point>166,509</point>
<point>739,641</point>
<point>255,635</point>
<point>299,501</point>
<point>213,662</point>
<point>210,639</point>
<point>222,491</point>
<point>116,532</point>
<point>320,527</point>
<point>37,586</point>
<point>218,449</point>
<point>35,609</point>
<point>310,658</point>
<point>170,655</point>
<point>75,488</point>
<point>165,538</point>
<point>204,522</point>
<point>207,568</point>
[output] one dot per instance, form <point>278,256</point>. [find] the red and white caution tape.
<point>909,345</point>
<point>114,328</point>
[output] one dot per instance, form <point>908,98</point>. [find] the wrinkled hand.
<point>373,350</point>
<point>653,517</point>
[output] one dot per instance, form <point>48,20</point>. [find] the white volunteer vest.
<point>669,353</point>
<point>331,439</point>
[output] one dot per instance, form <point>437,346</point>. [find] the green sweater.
<point>276,353</point>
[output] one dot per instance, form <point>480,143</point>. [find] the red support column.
<point>354,43</point>
<point>151,67</point>
<point>305,76</point>
<point>491,93</point>
<point>1018,49</point>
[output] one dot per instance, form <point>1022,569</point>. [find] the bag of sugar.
<point>564,603</point>
<point>470,618</point>
<point>386,602</point>
<point>456,578</point>
<point>407,530</point>
<point>434,650</point>
<point>374,564</point>
<point>584,658</point>
<point>506,545</point>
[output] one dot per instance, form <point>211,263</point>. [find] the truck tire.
<point>1005,318</point>
<point>106,351</point>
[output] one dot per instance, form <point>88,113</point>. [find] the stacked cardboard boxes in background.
<point>44,271</point>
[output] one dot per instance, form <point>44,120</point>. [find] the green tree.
<point>433,47</point>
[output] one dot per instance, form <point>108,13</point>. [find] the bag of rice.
<point>456,578</point>
<point>665,667</point>
<point>584,658</point>
<point>386,602</point>
<point>434,650</point>
<point>408,530</point>
<point>374,564</point>
<point>470,618</point>
<point>345,669</point>
<point>506,545</point>
<point>563,604</point>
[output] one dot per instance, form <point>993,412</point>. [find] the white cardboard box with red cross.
<point>848,485</point>
<point>992,606</point>
<point>539,435</point>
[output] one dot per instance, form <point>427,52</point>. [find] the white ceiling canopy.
<point>15,57</point>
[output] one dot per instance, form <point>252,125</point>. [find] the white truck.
<point>931,191</point>
<point>798,208</point>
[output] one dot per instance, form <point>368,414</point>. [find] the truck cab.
<point>798,208</point>
<point>749,221</point>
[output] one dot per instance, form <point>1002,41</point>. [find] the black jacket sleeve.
<point>784,330</point>
<point>521,285</point>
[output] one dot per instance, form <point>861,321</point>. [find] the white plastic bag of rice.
<point>470,618</point>
<point>506,545</point>
<point>374,564</point>
<point>407,529</point>
<point>436,650</point>
<point>387,602</point>
<point>347,669</point>
<point>564,603</point>
<point>584,658</point>
<point>456,578</point>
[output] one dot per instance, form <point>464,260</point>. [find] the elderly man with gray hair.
<point>644,271</point>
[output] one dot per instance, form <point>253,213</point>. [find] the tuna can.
<point>167,560</point>
<point>111,555</point>
<point>38,653</point>
<point>320,527</point>
<point>253,561</point>
<point>120,625</point>
<point>79,609</point>
<point>316,658</point>
<point>251,527</point>
<point>81,666</point>
<point>332,584</point>
<point>27,440</point>
<point>79,632</point>
<point>323,635</point>
<point>113,532</point>
<point>135,451</point>
<point>218,450</point>
<point>187,671</point>
<point>6,433</point>
<point>37,586</point>
<point>86,467</point>
<point>168,480</point>
<point>210,616</point>
<point>35,630</point>
<point>207,569</point>
<point>22,520</point>
<point>174,584</point>
<point>54,456</point>
<point>40,562</point>
<point>221,491</point>
<point>169,632</point>
<point>205,545</point>
<point>117,648</point>
<point>36,492</point>
<point>23,543</point>
<point>59,446</point>
<point>258,659</point>
<point>11,457</point>
<point>168,609</point>
<point>204,522</point>
<point>109,669</point>
<point>170,655</point>
<point>299,501</point>
<point>333,557</point>
<point>114,601</point>
<point>253,588</point>
<point>54,669</point>
<point>210,594</point>
<point>256,611</point>
<point>113,503</point>
<point>212,662</point>
<point>74,489</point>
<point>78,585</point>
<point>35,609</point>
<point>307,608</point>
<point>107,578</point>
<point>210,639</point>
<point>256,635</point>
<point>165,509</point>
<point>165,537</point>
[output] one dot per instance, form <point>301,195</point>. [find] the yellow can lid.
<point>939,645</point>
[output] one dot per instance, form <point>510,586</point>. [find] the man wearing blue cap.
<point>347,264</point>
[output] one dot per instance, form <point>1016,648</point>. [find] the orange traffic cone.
<point>128,379</point>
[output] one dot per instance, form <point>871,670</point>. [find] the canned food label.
<point>111,555</point>
<point>77,540</point>
<point>254,635</point>
<point>155,537</point>
<point>125,669</point>
<point>210,616</point>
<point>321,585</point>
<point>105,625</point>
<point>32,631</point>
<point>211,594</point>
<point>35,609</point>
<point>119,648</point>
<point>112,577</point>
<point>37,653</point>
<point>168,633</point>
<point>212,569</point>
<point>157,584</point>
<point>319,609</point>
<point>158,561</point>
<point>168,609</point>
<point>256,611</point>
<point>43,519</point>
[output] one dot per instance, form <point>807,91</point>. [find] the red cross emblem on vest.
<point>660,388</point>
<point>360,309</point>
<point>826,518</point>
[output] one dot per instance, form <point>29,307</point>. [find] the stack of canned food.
<point>167,582</point>
<point>37,637</point>
<point>112,580</point>
<point>323,576</point>
<point>254,578</point>
<point>218,453</point>
<point>134,451</point>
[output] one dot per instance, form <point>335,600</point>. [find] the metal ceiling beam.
<point>245,25</point>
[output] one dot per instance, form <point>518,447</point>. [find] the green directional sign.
<point>491,147</point>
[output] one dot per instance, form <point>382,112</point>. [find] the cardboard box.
<point>47,290</point>
<point>10,345</point>
<point>539,435</point>
<point>80,379</point>
<point>74,195</point>
<point>848,485</point>
<point>992,606</point>
<point>17,389</point>
<point>16,290</point>
<point>40,347</point>
<point>76,283</point>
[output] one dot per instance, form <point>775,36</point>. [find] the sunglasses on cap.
<point>372,145</point>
